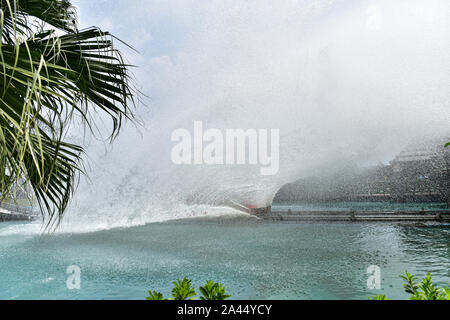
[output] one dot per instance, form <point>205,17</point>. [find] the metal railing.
<point>14,208</point>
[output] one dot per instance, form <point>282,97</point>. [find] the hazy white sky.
<point>347,74</point>
<point>215,33</point>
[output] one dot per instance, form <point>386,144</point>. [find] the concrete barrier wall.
<point>411,216</point>
<point>11,212</point>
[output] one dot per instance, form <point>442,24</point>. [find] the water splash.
<point>342,83</point>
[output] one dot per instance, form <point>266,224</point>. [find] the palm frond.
<point>45,79</point>
<point>21,16</point>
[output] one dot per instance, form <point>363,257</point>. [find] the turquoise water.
<point>254,259</point>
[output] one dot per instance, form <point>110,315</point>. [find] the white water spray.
<point>340,80</point>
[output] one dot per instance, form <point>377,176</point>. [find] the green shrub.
<point>183,290</point>
<point>378,297</point>
<point>213,291</point>
<point>424,290</point>
<point>153,295</point>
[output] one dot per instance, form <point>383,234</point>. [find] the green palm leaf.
<point>47,78</point>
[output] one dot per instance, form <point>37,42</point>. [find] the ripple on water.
<point>253,259</point>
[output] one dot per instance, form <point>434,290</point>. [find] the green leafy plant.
<point>52,74</point>
<point>378,297</point>
<point>213,291</point>
<point>183,290</point>
<point>447,292</point>
<point>411,286</point>
<point>424,290</point>
<point>154,295</point>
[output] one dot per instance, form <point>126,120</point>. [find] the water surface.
<point>254,259</point>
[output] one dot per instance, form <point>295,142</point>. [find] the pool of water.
<point>254,259</point>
